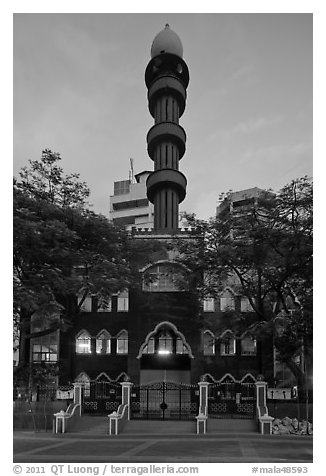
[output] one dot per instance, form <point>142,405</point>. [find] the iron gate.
<point>232,400</point>
<point>101,397</point>
<point>165,401</point>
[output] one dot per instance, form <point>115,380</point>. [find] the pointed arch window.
<point>123,301</point>
<point>227,302</point>
<point>209,343</point>
<point>180,347</point>
<point>122,342</point>
<point>103,343</point>
<point>228,346</point>
<point>165,277</point>
<point>165,342</point>
<point>104,305</point>
<point>245,305</point>
<point>86,305</point>
<point>248,345</point>
<point>83,343</point>
<point>150,347</point>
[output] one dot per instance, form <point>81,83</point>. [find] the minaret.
<point>166,78</point>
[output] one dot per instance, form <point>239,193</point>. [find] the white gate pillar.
<point>126,393</point>
<point>265,421</point>
<point>203,397</point>
<point>78,395</point>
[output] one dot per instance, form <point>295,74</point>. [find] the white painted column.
<point>126,393</point>
<point>78,395</point>
<point>203,396</point>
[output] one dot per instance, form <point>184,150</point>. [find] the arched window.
<point>122,342</point>
<point>86,305</point>
<point>245,305</point>
<point>104,305</point>
<point>227,301</point>
<point>83,343</point>
<point>165,342</point>
<point>165,277</point>
<point>209,343</point>
<point>227,346</point>
<point>123,301</point>
<point>248,345</point>
<point>165,339</point>
<point>180,347</point>
<point>103,343</point>
<point>150,347</point>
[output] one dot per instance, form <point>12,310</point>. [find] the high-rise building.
<point>129,205</point>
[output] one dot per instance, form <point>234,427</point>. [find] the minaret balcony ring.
<point>169,132</point>
<point>166,179</point>
<point>167,85</point>
<point>167,64</point>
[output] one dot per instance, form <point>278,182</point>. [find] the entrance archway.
<point>165,391</point>
<point>165,356</point>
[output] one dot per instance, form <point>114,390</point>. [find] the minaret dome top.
<point>166,41</point>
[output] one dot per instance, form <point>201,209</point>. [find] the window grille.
<point>83,343</point>
<point>228,346</point>
<point>209,343</point>
<point>122,343</point>
<point>45,348</point>
<point>123,301</point>
<point>103,343</point>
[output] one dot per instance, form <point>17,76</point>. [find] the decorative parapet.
<point>151,233</point>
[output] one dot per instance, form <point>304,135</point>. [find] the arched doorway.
<point>165,356</point>
<point>165,391</point>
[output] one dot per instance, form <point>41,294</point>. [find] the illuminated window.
<point>122,343</point>
<point>150,347</point>
<point>227,346</point>
<point>209,305</point>
<point>165,342</point>
<point>45,348</point>
<point>83,343</point>
<point>103,343</point>
<point>180,347</point>
<point>123,301</point>
<point>248,345</point>
<point>209,343</point>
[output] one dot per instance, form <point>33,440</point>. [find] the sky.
<point>79,90</point>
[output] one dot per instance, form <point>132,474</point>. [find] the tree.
<point>265,248</point>
<point>61,250</point>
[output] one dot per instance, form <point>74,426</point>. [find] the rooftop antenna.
<point>131,172</point>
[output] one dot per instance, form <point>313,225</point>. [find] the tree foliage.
<point>61,249</point>
<point>264,248</point>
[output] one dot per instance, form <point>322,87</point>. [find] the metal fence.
<point>232,400</point>
<point>165,401</point>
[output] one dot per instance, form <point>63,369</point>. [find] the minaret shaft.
<point>166,78</point>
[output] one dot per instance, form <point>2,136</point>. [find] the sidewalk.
<point>32,447</point>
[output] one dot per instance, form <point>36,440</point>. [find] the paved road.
<point>80,448</point>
